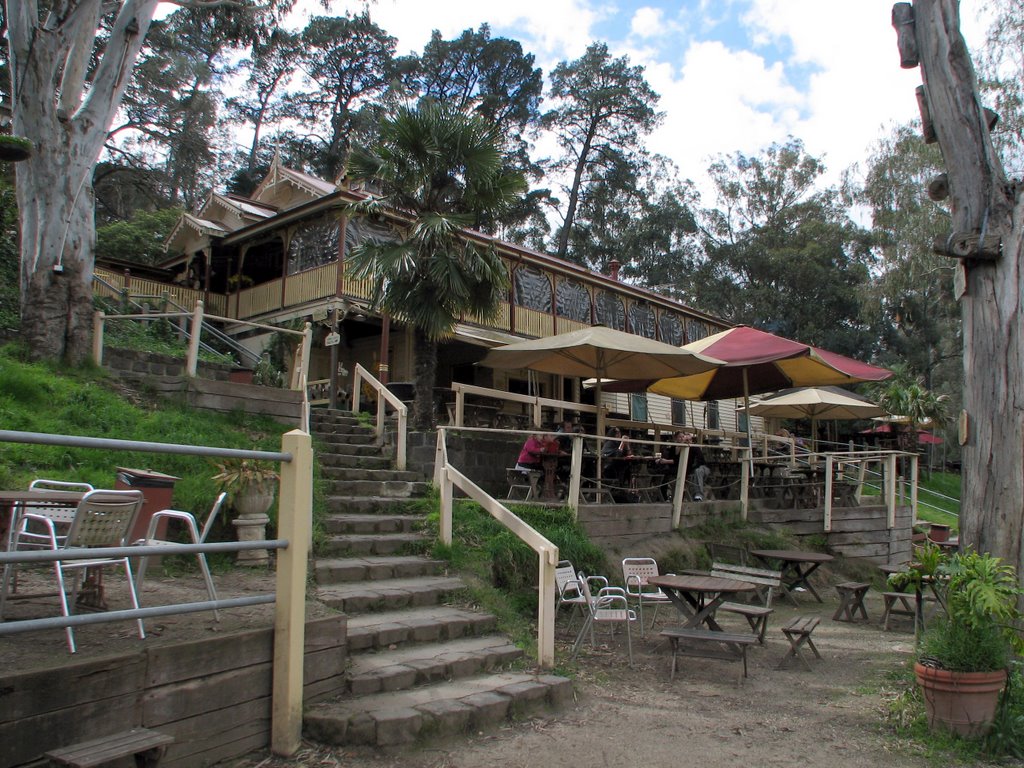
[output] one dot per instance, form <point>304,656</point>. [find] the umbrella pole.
<point>600,425</point>
<point>746,411</point>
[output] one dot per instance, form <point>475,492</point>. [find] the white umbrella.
<point>603,353</point>
<point>816,403</point>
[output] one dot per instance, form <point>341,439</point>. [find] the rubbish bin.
<point>157,490</point>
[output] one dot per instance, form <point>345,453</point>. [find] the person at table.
<point>564,435</point>
<point>616,448</point>
<point>697,469</point>
<point>530,455</point>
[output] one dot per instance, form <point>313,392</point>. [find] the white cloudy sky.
<point>734,75</point>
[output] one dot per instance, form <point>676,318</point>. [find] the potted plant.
<point>963,657</point>
<point>15,148</point>
<point>250,484</point>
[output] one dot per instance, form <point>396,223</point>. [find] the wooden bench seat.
<point>798,632</point>
<point>145,745</point>
<point>705,643</point>
<point>767,582</point>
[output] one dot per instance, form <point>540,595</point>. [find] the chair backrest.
<point>212,516</point>
<point>104,518</point>
<point>641,568</point>
<point>58,513</point>
<point>587,594</point>
<point>565,574</point>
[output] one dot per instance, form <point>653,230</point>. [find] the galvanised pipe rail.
<point>110,444</point>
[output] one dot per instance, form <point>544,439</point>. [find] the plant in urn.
<point>251,485</point>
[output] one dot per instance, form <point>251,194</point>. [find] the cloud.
<point>648,22</point>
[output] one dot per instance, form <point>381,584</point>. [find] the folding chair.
<point>567,590</point>
<point>608,606</point>
<point>102,519</point>
<point>197,537</point>
<point>36,536</point>
<point>635,572</point>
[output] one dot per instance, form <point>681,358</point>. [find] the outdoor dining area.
<point>61,521</point>
<point>759,601</point>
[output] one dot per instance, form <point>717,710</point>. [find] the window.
<point>638,406</point>
<point>572,301</point>
<point>711,415</point>
<point>532,289</point>
<point>679,412</point>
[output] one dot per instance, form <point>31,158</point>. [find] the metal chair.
<point>35,536</point>
<point>197,536</point>
<point>102,519</point>
<point>635,572</point>
<point>608,606</point>
<point>568,591</point>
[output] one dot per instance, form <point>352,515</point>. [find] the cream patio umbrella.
<point>603,353</point>
<point>816,403</point>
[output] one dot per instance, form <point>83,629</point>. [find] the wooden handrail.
<point>447,478</point>
<point>384,395</point>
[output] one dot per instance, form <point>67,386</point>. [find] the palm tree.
<point>906,396</point>
<point>443,169</point>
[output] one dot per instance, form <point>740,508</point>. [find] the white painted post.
<point>677,494</point>
<point>575,471</point>
<point>192,363</point>
<point>890,489</point>
<point>537,417</point>
<point>460,405</point>
<point>294,523</point>
<point>913,485</point>
<point>403,438</point>
<point>357,384</point>
<point>440,456</point>
<point>745,485</point>
<point>546,608</point>
<point>97,337</point>
<point>828,493</point>
<point>300,374</point>
<point>446,507</point>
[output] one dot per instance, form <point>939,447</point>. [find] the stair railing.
<point>385,397</point>
<point>446,477</point>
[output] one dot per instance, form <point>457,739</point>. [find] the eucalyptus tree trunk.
<point>49,57</point>
<point>983,205</point>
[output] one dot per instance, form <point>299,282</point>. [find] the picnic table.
<point>698,597</point>
<point>796,567</point>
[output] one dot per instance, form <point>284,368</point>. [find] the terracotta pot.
<point>240,376</point>
<point>962,702</point>
<point>938,532</point>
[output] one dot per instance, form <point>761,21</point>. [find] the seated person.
<point>529,457</point>
<point>611,451</point>
<point>565,431</point>
<point>697,469</point>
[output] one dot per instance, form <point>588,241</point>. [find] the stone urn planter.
<point>252,487</point>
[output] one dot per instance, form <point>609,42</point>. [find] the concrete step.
<point>340,570</point>
<point>336,416</point>
<point>342,436</point>
<point>400,489</point>
<point>429,624</point>
<point>439,710</point>
<point>389,594</point>
<point>375,544</point>
<point>403,668</point>
<point>375,475</point>
<point>362,524</point>
<point>371,505</point>
<point>365,460</point>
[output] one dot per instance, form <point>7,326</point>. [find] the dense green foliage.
<point>140,239</point>
<point>39,398</point>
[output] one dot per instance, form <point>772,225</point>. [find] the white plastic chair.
<point>568,591</point>
<point>102,519</point>
<point>608,606</point>
<point>635,572</point>
<point>197,536</point>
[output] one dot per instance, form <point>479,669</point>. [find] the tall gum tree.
<point>982,203</point>
<point>70,63</point>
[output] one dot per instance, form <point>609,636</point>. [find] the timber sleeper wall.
<point>212,696</point>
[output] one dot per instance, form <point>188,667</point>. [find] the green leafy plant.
<point>981,630</point>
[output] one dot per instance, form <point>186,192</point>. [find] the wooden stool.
<point>851,600</point>
<point>905,606</point>
<point>798,632</point>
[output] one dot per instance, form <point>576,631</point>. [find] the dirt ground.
<point>828,715</point>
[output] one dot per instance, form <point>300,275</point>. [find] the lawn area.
<point>939,499</point>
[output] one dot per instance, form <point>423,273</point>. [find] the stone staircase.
<point>419,668</point>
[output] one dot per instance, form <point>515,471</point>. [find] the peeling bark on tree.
<point>992,507</point>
